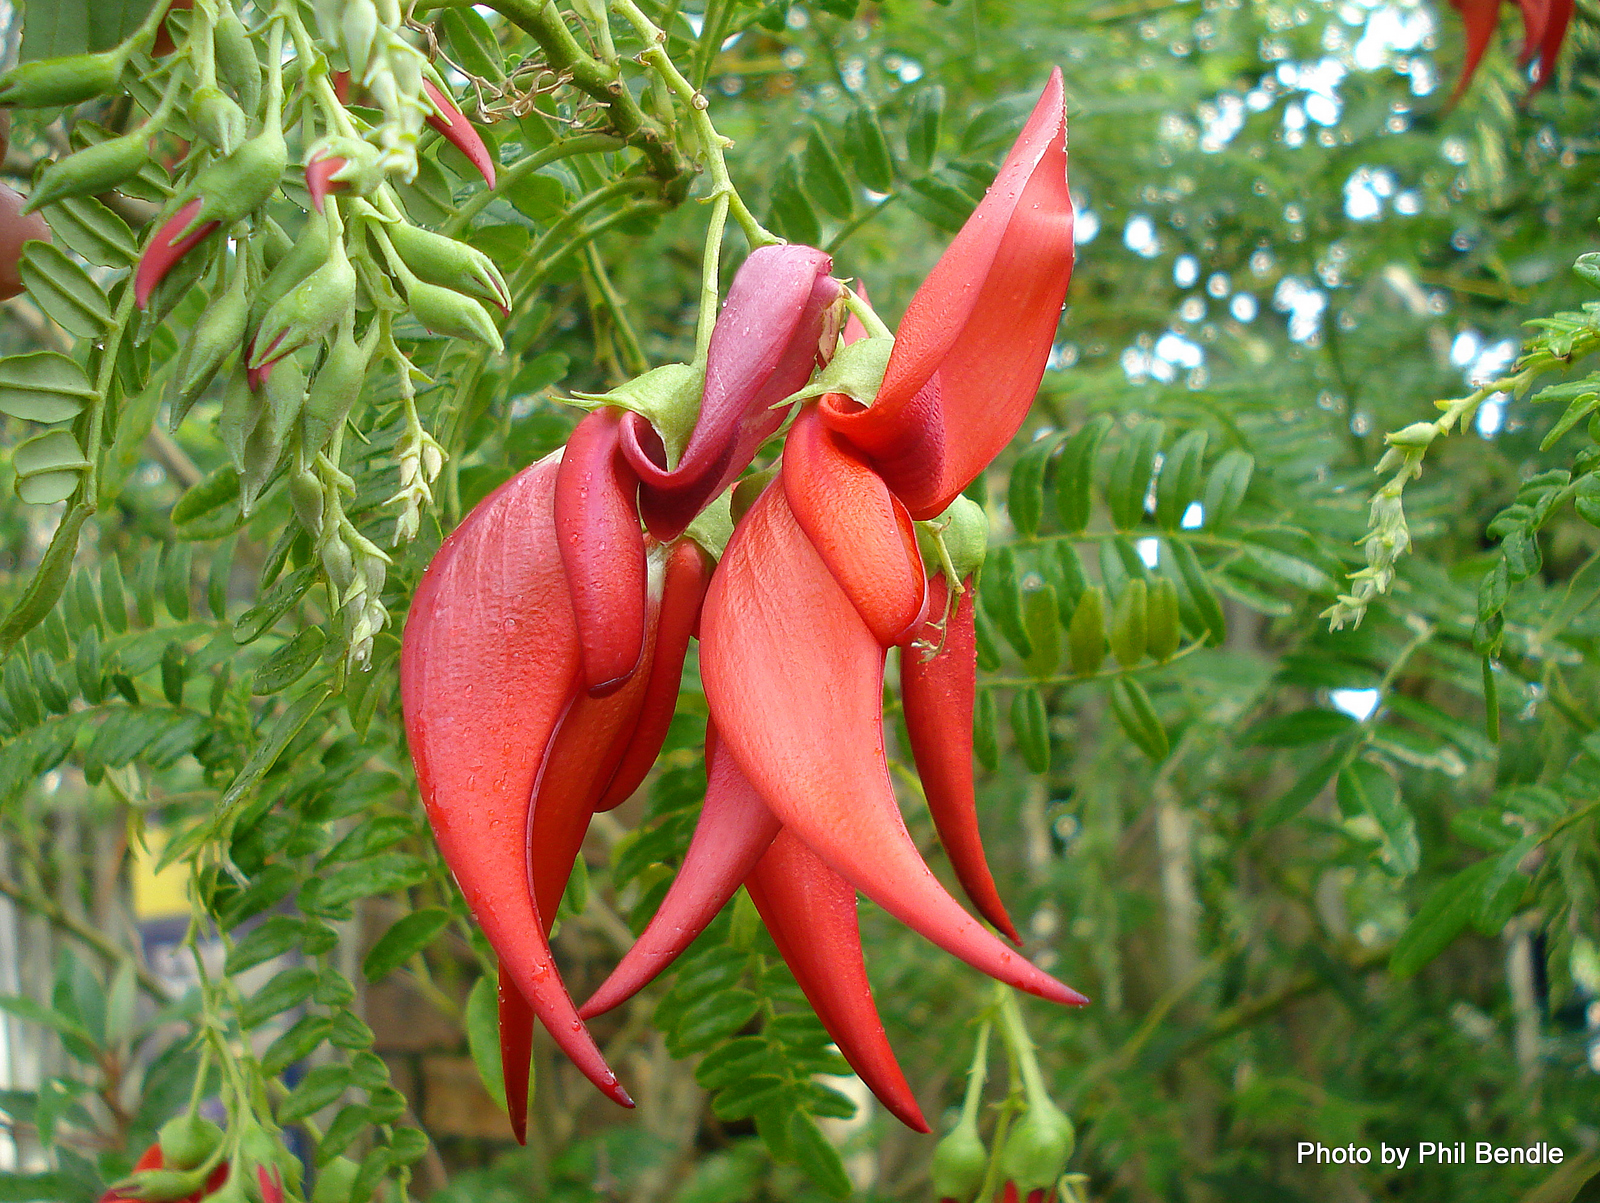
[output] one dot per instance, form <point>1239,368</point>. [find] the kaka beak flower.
<point>1544,28</point>
<point>458,131</point>
<point>544,647</point>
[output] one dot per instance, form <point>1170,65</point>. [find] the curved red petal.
<point>458,131</point>
<point>734,829</point>
<point>488,660</point>
<point>794,680</point>
<point>602,551</point>
<point>169,244</point>
<point>858,527</point>
<point>938,695</point>
<point>516,1053</point>
<point>320,181</point>
<point>1480,18</point>
<point>1551,36</point>
<point>688,573</point>
<point>764,346</point>
<point>975,340</point>
<point>811,912</point>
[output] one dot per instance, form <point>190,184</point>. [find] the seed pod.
<point>218,334</point>
<point>93,169</point>
<point>1162,621</point>
<point>1129,624</point>
<point>334,390</point>
<point>308,311</point>
<point>447,312</point>
<point>52,81</point>
<point>1086,637</point>
<point>237,65</point>
<point>452,264</point>
<point>217,118</point>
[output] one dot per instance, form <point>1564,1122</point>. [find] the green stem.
<point>511,176</point>
<point>634,360</point>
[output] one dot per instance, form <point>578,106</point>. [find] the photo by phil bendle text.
<point>1484,1153</point>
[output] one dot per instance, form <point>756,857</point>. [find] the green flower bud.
<point>159,1186</point>
<point>447,312</point>
<point>444,261</point>
<point>187,1140</point>
<point>217,118</point>
<point>242,182</point>
<point>1037,1148</point>
<point>959,1163</point>
<point>305,494</point>
<point>1416,436</point>
<point>218,334</point>
<point>333,391</point>
<point>92,169</point>
<point>309,252</point>
<point>241,410</point>
<point>309,310</point>
<point>237,64</point>
<point>53,81</point>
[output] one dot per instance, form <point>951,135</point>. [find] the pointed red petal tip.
<point>602,551</point>
<point>489,660</point>
<point>975,340</point>
<point>1557,18</point>
<point>938,694</point>
<point>459,132</point>
<point>1480,18</point>
<point>734,829</point>
<point>794,680</point>
<point>271,1184</point>
<point>811,912</point>
<point>516,1053</point>
<point>765,345</point>
<point>166,248</point>
<point>320,181</point>
<point>860,529</point>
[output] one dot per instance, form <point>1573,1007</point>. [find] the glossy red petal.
<point>1557,18</point>
<point>602,551</point>
<point>733,831</point>
<point>489,659</point>
<point>320,181</point>
<point>811,912</point>
<point>974,342</point>
<point>938,695</point>
<point>167,246</point>
<point>794,680</point>
<point>516,1052</point>
<point>860,529</point>
<point>458,131</point>
<point>688,573</point>
<point>766,343</point>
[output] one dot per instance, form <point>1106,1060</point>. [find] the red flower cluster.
<point>1544,26</point>
<point>545,643</point>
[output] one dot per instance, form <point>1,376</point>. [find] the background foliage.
<point>1333,885</point>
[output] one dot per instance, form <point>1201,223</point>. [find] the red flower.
<point>1544,27</point>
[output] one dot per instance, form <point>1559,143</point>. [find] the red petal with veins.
<point>794,679</point>
<point>938,695</point>
<point>602,551</point>
<point>811,912</point>
<point>489,659</point>
<point>169,245</point>
<point>973,346</point>
<point>458,131</point>
<point>688,573</point>
<point>858,527</point>
<point>516,1053</point>
<point>764,346</point>
<point>733,830</point>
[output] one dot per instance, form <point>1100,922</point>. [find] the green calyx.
<point>1038,1146</point>
<point>959,1163</point>
<point>667,397</point>
<point>856,371</point>
<point>187,1141</point>
<point>159,1186</point>
<point>241,182</point>
<point>956,541</point>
